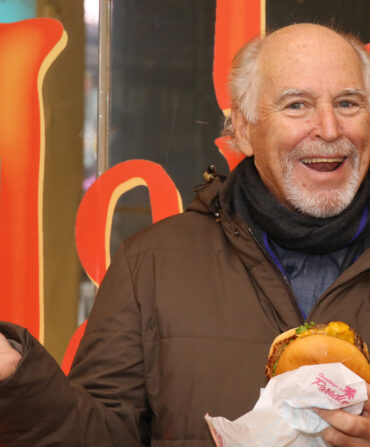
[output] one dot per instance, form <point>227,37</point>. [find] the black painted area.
<point>164,107</point>
<point>349,15</point>
<point>163,104</point>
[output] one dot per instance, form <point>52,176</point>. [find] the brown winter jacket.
<point>181,326</point>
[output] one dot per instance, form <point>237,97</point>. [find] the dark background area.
<point>164,107</point>
<point>349,15</point>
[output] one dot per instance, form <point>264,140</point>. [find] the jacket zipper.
<point>283,278</point>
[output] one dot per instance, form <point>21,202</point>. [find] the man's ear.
<point>242,132</point>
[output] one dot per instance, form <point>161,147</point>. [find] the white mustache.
<point>341,148</point>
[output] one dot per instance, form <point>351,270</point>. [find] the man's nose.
<point>327,124</point>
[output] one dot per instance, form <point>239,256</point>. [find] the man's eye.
<point>346,104</point>
<point>296,106</point>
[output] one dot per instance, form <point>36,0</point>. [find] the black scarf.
<point>292,230</point>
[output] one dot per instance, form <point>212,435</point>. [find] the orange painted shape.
<point>26,50</point>
<point>95,214</point>
<point>237,21</point>
<point>72,348</point>
<point>232,156</point>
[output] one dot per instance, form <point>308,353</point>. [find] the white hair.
<point>364,56</point>
<point>243,79</point>
<point>243,89</point>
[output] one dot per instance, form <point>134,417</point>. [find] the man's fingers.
<point>9,358</point>
<point>348,424</point>
<point>3,339</point>
<point>336,438</point>
<point>347,430</point>
<point>366,410</point>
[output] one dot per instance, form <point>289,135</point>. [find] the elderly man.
<point>188,309</point>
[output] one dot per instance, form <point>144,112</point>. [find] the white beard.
<point>325,202</point>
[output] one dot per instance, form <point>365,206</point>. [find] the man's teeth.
<point>322,160</point>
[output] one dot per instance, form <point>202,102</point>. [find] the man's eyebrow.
<point>293,92</point>
<point>353,92</point>
<point>302,92</point>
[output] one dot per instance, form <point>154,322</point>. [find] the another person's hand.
<point>347,430</point>
<point>9,358</point>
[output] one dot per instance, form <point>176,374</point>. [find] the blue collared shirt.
<point>310,275</point>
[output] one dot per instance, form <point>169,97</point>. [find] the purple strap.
<point>271,252</point>
<point>362,225</point>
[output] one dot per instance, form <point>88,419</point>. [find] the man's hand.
<point>347,430</point>
<point>9,358</point>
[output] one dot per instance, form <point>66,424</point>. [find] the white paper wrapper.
<point>282,415</point>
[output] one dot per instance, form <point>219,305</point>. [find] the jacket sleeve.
<point>103,401</point>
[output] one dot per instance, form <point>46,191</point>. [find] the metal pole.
<point>105,9</point>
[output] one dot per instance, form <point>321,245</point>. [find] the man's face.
<point>311,139</point>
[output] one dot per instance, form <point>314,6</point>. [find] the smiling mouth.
<point>323,164</point>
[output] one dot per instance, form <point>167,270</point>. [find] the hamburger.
<point>312,344</point>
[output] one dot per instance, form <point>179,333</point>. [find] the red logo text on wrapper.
<point>340,395</point>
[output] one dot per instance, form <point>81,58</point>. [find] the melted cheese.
<point>336,329</point>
